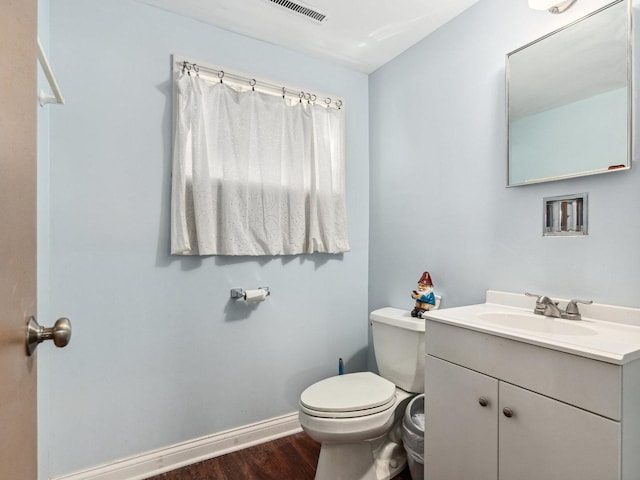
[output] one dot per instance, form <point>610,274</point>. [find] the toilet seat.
<point>348,396</point>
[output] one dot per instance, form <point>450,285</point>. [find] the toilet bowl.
<point>357,417</point>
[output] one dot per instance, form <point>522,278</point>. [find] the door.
<point>18,459</point>
<point>461,433</point>
<point>547,439</point>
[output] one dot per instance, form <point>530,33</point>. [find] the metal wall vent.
<point>301,9</point>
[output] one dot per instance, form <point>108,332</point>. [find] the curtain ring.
<point>196,69</point>
<point>307,97</point>
<point>327,101</point>
<point>220,75</point>
<point>338,104</point>
<point>283,92</point>
<point>301,96</point>
<point>252,83</point>
<point>313,97</point>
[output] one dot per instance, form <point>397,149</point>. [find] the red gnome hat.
<point>426,279</point>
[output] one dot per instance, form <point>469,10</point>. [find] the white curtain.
<point>254,174</point>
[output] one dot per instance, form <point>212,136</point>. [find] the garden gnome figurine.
<point>425,299</point>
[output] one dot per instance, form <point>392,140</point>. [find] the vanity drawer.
<point>586,383</point>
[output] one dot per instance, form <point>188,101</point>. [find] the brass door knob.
<point>60,333</point>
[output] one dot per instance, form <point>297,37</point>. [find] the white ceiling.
<point>359,34</point>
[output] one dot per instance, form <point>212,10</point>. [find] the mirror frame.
<point>630,91</point>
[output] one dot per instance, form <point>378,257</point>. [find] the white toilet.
<point>357,417</point>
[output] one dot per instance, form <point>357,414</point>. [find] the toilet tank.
<point>398,342</point>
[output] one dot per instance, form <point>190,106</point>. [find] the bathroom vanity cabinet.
<point>501,409</point>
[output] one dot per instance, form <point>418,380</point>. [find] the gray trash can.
<point>413,436</point>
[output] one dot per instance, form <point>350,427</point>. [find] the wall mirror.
<point>569,100</point>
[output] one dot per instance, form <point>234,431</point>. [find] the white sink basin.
<point>535,323</point>
<point>608,333</point>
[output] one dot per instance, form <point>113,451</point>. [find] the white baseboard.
<point>163,460</point>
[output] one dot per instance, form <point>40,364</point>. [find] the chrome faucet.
<point>572,312</point>
<point>547,307</point>
<point>550,308</point>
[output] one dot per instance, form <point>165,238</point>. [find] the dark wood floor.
<point>289,458</point>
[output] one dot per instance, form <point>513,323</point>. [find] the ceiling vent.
<point>301,9</point>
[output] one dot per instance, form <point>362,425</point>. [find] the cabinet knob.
<point>507,412</point>
<point>483,401</point>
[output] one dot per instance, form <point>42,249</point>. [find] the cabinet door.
<point>550,440</point>
<point>460,433</point>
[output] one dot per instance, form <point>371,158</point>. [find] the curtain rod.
<point>191,67</point>
<point>46,68</point>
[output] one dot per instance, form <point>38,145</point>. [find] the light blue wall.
<point>160,354</point>
<point>438,170</point>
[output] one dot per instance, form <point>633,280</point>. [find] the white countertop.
<point>606,332</point>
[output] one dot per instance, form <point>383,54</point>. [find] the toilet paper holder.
<point>240,293</point>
